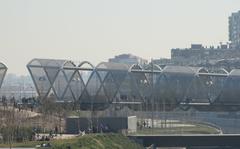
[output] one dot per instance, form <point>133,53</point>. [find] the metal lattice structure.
<point>150,85</point>
<point>3,71</point>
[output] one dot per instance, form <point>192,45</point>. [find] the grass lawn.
<point>92,141</point>
<point>197,129</point>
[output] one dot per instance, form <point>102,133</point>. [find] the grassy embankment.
<point>196,129</point>
<point>92,141</point>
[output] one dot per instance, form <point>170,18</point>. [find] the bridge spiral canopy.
<point>109,83</point>
<point>3,70</point>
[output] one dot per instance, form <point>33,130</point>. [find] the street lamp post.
<point>152,75</point>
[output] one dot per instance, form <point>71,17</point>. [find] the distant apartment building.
<point>128,59</point>
<point>234,30</point>
<point>200,55</point>
<point>205,56</point>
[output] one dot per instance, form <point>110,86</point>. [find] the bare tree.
<point>9,125</point>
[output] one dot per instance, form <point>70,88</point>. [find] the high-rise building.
<point>234,30</point>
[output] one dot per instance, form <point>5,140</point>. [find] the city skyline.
<point>98,30</point>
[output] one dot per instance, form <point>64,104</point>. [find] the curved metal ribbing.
<point>3,71</point>
<point>114,82</point>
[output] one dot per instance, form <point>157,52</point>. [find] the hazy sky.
<point>95,30</point>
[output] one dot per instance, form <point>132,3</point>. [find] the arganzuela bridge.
<point>148,87</point>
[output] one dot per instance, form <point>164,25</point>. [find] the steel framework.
<point>3,70</point>
<point>109,83</point>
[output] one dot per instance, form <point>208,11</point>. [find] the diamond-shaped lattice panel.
<point>68,96</point>
<point>102,75</point>
<point>51,74</point>
<point>77,86</point>
<point>110,86</point>
<point>85,75</point>
<point>2,74</point>
<point>60,85</point>
<point>41,80</point>
<point>101,97</point>
<point>93,85</point>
